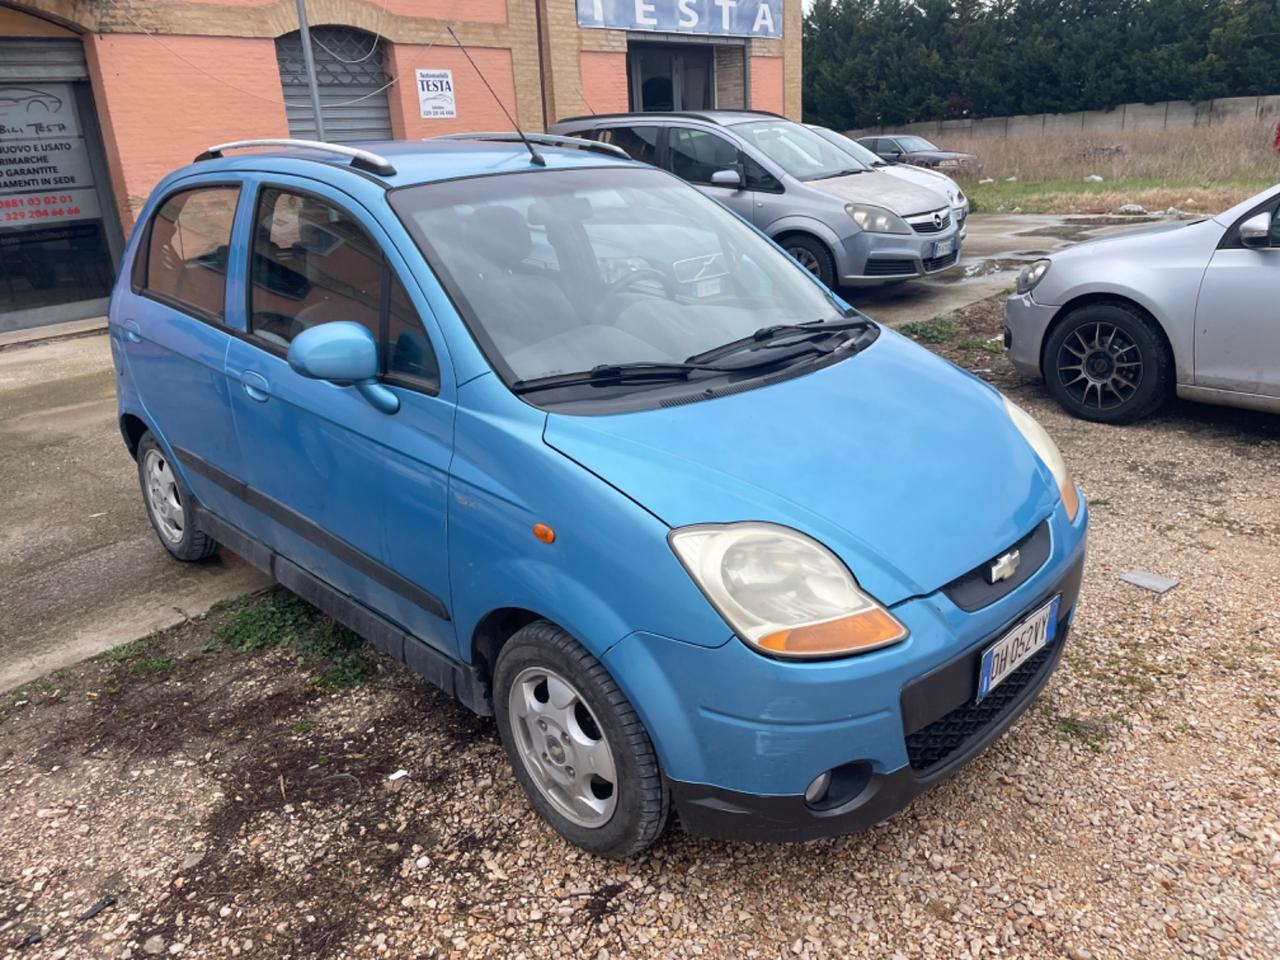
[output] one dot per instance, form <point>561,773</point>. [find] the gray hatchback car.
<point>848,225</point>
<point>1119,324</point>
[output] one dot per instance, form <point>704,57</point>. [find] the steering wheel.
<point>633,277</point>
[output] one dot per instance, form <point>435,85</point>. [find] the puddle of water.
<point>984,268</point>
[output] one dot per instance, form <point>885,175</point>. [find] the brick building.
<point>98,100</point>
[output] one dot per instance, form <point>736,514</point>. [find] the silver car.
<point>846,223</point>
<point>1117,325</point>
<point>930,179</point>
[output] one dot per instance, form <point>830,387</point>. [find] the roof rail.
<point>360,159</point>
<point>707,116</point>
<point>546,139</point>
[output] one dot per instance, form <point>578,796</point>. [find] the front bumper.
<point>867,259</point>
<point>740,736</point>
<point>1025,325</point>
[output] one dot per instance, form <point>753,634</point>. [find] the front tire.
<point>1107,362</point>
<point>813,255</point>
<point>576,744</point>
<point>168,504</point>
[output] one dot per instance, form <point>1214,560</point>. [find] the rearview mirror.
<point>342,352</point>
<point>1256,231</point>
<point>727,178</point>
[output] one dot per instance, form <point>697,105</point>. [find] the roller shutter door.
<point>352,84</point>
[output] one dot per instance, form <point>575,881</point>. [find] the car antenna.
<point>534,155</point>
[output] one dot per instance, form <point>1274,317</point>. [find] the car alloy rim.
<point>806,258</point>
<point>563,747</point>
<point>163,499</point>
<point>1100,366</point>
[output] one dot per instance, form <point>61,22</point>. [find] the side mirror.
<point>342,352</point>
<point>727,178</point>
<point>1256,231</point>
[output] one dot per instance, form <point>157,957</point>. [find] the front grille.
<point>973,591</point>
<point>926,223</point>
<point>931,746</point>
<point>941,263</point>
<point>889,268</point>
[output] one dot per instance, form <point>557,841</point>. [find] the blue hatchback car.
<point>586,450</point>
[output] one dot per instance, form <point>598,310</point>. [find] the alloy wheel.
<point>563,747</point>
<point>1100,365</point>
<point>805,257</point>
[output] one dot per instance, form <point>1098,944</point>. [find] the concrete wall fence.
<point>1171,114</point>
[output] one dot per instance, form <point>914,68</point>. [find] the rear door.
<point>355,496</point>
<point>639,141</point>
<point>175,328</point>
<point>1237,340</point>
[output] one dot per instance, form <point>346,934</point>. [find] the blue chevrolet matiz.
<point>587,451</point>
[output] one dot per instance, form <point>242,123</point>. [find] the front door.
<point>670,77</point>
<point>1237,343</point>
<point>694,155</point>
<point>355,496</point>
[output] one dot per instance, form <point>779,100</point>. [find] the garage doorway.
<point>352,80</point>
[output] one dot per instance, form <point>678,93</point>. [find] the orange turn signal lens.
<point>1070,499</point>
<point>544,533</point>
<point>854,634</point>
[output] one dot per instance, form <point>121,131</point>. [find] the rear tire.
<point>1107,362</point>
<point>813,255</point>
<point>576,744</point>
<point>168,504</point>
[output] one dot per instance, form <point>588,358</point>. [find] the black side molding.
<point>322,538</point>
<point>459,680</point>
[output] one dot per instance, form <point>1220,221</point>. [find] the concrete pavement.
<point>80,568</point>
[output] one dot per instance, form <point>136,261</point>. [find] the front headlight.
<point>875,219</point>
<point>1032,274</point>
<point>948,163</point>
<point>783,592</point>
<point>1048,453</point>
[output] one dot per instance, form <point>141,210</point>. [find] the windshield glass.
<point>562,271</point>
<point>851,147</point>
<point>797,149</point>
<point>915,144</point>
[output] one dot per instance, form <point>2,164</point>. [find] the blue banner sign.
<point>721,18</point>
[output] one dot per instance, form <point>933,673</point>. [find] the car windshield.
<point>915,144</point>
<point>851,147</point>
<point>796,149</point>
<point>563,271</point>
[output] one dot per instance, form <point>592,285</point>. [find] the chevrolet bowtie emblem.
<point>1003,567</point>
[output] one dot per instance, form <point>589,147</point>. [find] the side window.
<point>1275,227</point>
<point>408,352</point>
<point>758,178</point>
<point>312,263</point>
<point>696,154</point>
<point>186,253</point>
<point>640,143</point>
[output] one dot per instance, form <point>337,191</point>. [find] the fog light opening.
<point>839,786</point>
<point>817,790</point>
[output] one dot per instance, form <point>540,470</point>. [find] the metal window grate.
<point>351,77</point>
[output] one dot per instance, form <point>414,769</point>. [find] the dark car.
<point>919,151</point>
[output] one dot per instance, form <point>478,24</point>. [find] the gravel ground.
<point>237,801</point>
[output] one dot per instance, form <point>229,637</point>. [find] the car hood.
<point>899,196</point>
<point>940,155</point>
<point>923,177</point>
<point>902,464</point>
<point>1139,237</point>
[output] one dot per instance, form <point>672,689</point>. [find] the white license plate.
<point>1013,649</point>
<point>944,247</point>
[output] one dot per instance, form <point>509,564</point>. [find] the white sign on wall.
<point>44,164</point>
<point>435,94</point>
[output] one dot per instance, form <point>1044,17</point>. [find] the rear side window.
<point>696,154</point>
<point>186,253</point>
<point>639,143</point>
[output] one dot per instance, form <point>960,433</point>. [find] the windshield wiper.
<point>618,373</point>
<point>842,173</point>
<point>764,337</point>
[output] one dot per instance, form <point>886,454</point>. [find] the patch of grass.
<point>981,345</point>
<point>337,649</point>
<point>120,654</point>
<point>149,666</point>
<point>304,726</point>
<point>1089,732</point>
<point>271,620</point>
<point>937,330</point>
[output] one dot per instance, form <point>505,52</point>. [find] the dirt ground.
<point>229,782</point>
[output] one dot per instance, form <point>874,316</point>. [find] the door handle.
<point>132,332</point>
<point>256,386</point>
